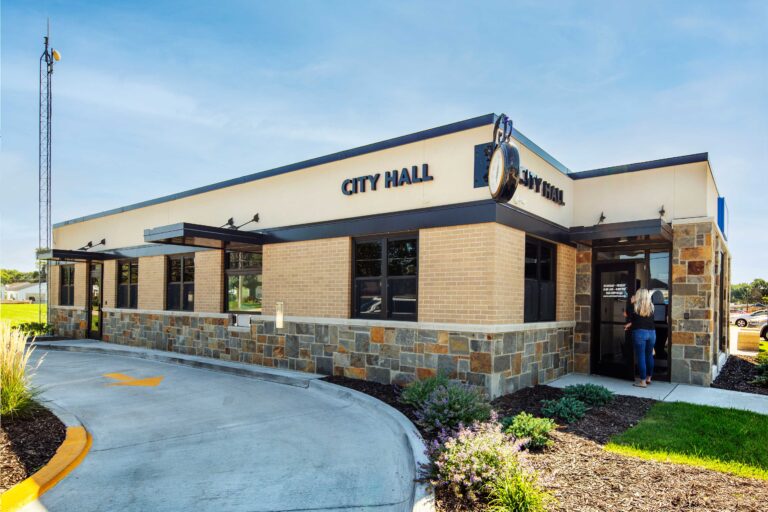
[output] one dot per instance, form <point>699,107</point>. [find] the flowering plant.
<point>469,461</point>
<point>450,405</point>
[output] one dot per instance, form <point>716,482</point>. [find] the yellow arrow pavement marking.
<point>127,380</point>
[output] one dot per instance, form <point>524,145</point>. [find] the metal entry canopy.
<point>198,235</point>
<point>72,255</point>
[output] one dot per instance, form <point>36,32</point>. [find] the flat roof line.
<point>466,124</point>
<point>641,166</point>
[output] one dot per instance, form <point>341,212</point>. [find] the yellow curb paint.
<point>69,455</point>
<point>127,380</point>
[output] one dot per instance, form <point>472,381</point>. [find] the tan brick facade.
<point>209,281</point>
<point>81,284</point>
<point>311,278</point>
<point>109,287</point>
<point>565,283</point>
<point>54,281</point>
<point>152,282</point>
<point>471,274</point>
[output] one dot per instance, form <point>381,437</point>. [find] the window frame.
<point>236,272</point>
<point>181,283</point>
<point>133,287</point>
<point>539,317</point>
<point>383,276</point>
<point>67,286</point>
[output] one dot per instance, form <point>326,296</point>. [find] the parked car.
<point>756,318</point>
<point>764,331</point>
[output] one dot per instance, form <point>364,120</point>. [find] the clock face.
<point>496,172</point>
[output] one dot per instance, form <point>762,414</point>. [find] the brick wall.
<point>81,284</point>
<point>209,281</point>
<point>152,282</point>
<point>54,280</point>
<point>109,287</point>
<point>566,282</point>
<point>471,274</point>
<point>582,310</point>
<point>311,278</point>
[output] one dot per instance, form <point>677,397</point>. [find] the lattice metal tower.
<point>47,59</point>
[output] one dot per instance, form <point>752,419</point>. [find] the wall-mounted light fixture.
<point>254,219</point>
<point>662,212</point>
<point>278,315</point>
<point>602,218</point>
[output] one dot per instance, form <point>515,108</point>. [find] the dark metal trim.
<point>187,234</point>
<point>641,166</point>
<point>532,224</point>
<point>648,227</point>
<point>68,255</point>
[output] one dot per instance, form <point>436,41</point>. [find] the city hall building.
<point>464,249</point>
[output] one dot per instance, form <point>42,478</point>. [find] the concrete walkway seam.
<point>422,499</point>
<point>158,356</point>
<point>68,456</point>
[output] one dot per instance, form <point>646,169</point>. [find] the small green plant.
<point>526,426</point>
<point>416,393</point>
<point>590,394</point>
<point>762,370</point>
<point>566,409</point>
<point>451,405</point>
<point>518,491</point>
<point>35,328</point>
<point>16,394</point>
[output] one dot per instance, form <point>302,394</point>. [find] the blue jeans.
<point>644,340</point>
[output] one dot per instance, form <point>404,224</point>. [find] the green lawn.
<point>17,313</point>
<point>725,440</point>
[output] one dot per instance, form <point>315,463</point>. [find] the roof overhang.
<point>198,235</point>
<point>67,255</point>
<point>652,229</point>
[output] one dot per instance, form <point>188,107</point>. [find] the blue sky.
<point>156,97</point>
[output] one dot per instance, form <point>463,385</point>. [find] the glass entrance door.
<point>612,350</point>
<point>95,278</point>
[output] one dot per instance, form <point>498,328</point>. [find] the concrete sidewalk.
<point>671,392</point>
<point>168,437</point>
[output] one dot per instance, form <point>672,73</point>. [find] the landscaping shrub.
<point>35,328</point>
<point>417,392</point>
<point>449,406</point>
<point>566,409</point>
<point>518,492</point>
<point>590,394</point>
<point>526,426</point>
<point>16,393</point>
<point>468,462</point>
<point>762,370</point>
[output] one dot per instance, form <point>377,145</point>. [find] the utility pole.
<point>47,59</point>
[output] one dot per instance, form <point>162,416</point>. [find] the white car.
<point>758,317</point>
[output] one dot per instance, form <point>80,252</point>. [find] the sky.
<point>152,98</point>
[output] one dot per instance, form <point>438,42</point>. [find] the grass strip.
<point>727,440</point>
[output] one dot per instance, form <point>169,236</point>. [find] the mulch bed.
<point>27,444</point>
<point>584,477</point>
<point>737,373</point>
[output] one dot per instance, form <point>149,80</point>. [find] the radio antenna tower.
<point>47,59</point>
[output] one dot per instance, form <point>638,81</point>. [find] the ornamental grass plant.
<point>17,395</point>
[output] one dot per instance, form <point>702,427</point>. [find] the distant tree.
<point>8,276</point>
<point>740,292</point>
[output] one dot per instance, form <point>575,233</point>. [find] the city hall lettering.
<point>391,179</point>
<point>546,189</point>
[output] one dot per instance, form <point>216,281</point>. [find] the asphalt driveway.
<point>170,438</point>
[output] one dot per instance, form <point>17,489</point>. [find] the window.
<point>181,283</point>
<point>128,284</point>
<point>539,281</point>
<point>386,278</point>
<point>243,275</point>
<point>67,285</point>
